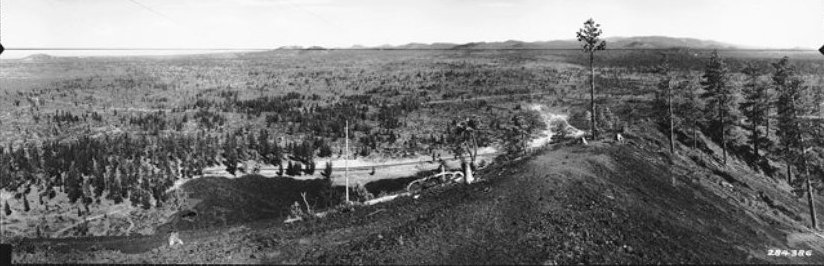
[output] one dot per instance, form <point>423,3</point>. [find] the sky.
<point>238,24</point>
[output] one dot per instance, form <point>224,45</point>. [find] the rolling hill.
<point>640,42</point>
<point>601,203</point>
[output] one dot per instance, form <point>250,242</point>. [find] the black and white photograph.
<point>412,132</point>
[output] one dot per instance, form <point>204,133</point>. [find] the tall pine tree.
<point>794,128</point>
<point>230,154</point>
<point>687,104</point>
<point>787,129</point>
<point>663,101</point>
<point>754,107</point>
<point>721,100</point>
<point>590,36</point>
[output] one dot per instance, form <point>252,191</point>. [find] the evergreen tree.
<point>280,169</point>
<point>590,35</point>
<point>310,168</point>
<point>664,102</point>
<point>290,169</point>
<point>329,196</point>
<point>327,170</point>
<point>252,143</point>
<point>787,130</point>
<point>523,126</point>
<point>754,107</point>
<point>297,169</point>
<point>721,100</point>
<point>688,103</point>
<point>818,102</point>
<point>794,131</point>
<point>324,150</point>
<point>145,199</point>
<point>264,147</point>
<point>74,184</point>
<point>364,151</point>
<point>7,208</point>
<point>230,154</point>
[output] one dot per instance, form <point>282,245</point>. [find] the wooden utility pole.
<point>346,160</point>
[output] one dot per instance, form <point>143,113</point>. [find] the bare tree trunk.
<point>474,154</point>
<point>593,126</point>
<point>806,167</point>
<point>767,133</point>
<point>755,140</point>
<point>811,203</point>
<point>468,177</point>
<point>789,169</point>
<point>724,142</point>
<point>694,135</point>
<point>723,133</point>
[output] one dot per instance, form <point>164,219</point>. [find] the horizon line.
<point>372,48</point>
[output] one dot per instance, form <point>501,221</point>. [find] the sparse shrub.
<point>607,120</point>
<point>523,126</point>
<point>361,194</point>
<point>558,127</point>
<point>324,151</point>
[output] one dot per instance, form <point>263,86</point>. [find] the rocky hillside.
<point>601,203</point>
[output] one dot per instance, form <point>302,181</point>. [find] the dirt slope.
<point>602,203</point>
<point>596,204</point>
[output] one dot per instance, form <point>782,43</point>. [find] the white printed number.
<point>789,253</point>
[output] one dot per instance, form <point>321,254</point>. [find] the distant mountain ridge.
<point>39,57</point>
<point>639,42</point>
